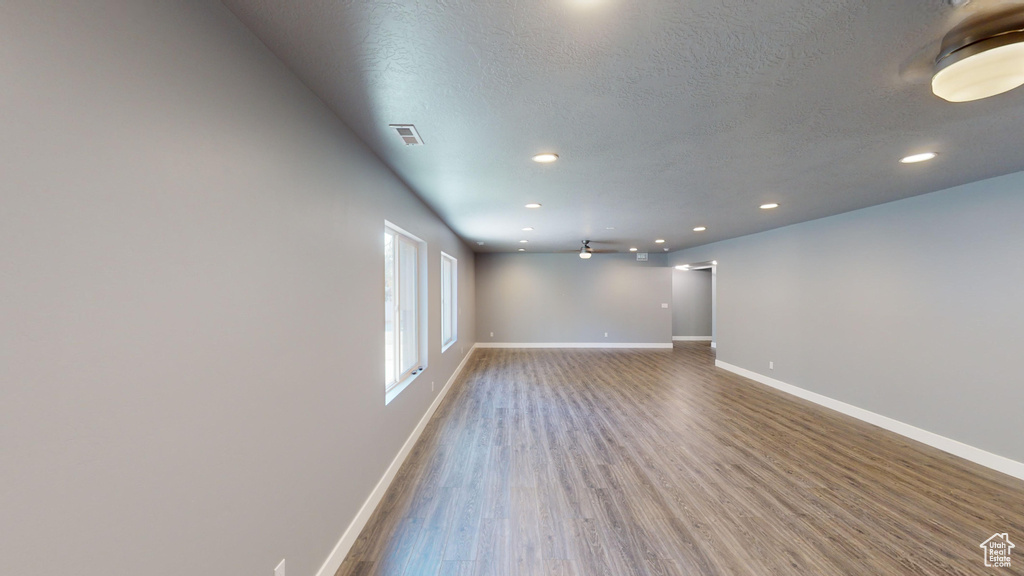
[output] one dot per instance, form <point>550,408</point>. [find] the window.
<point>449,301</point>
<point>404,313</point>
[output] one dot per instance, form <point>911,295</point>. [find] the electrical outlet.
<point>771,365</point>
<point>664,305</point>
<point>605,334</point>
<point>492,334</point>
<point>279,571</point>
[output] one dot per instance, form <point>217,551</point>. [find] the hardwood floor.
<point>646,462</point>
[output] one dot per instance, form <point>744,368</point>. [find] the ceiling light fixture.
<point>522,249</point>
<point>632,249</point>
<point>586,251</point>
<point>700,228</point>
<point>528,229</point>
<point>769,206</point>
<point>659,241</point>
<point>981,57</point>
<point>523,241</point>
<point>915,158</point>
<point>533,205</point>
<point>545,157</point>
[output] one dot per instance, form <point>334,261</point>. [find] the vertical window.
<point>404,321</point>
<point>449,301</point>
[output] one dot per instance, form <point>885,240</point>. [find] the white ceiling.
<point>667,114</point>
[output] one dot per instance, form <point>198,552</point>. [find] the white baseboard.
<point>691,338</point>
<point>954,447</point>
<point>574,345</point>
<point>341,549</point>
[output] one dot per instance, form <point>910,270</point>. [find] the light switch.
<point>663,305</point>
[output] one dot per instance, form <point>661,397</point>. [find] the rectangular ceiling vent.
<point>408,134</point>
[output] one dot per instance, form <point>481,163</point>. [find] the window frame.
<point>449,300</point>
<point>419,315</point>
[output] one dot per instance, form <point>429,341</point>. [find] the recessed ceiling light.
<point>533,205</point>
<point>522,249</point>
<point>479,243</point>
<point>769,206</point>
<point>981,57</point>
<point>915,158</point>
<point>666,249</point>
<point>632,249</point>
<point>609,228</point>
<point>659,241</point>
<point>545,157</point>
<point>528,229</point>
<point>700,228</point>
<point>523,241</point>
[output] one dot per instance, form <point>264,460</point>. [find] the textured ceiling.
<point>667,114</point>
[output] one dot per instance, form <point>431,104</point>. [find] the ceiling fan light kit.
<point>981,57</point>
<point>586,251</point>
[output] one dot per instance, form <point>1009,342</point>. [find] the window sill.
<point>448,345</point>
<point>394,392</point>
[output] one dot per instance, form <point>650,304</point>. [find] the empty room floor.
<point>651,462</point>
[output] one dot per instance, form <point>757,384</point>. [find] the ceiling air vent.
<point>408,134</point>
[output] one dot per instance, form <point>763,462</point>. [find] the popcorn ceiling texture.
<point>666,114</point>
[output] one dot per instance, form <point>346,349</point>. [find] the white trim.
<point>573,345</point>
<point>454,312</point>
<point>714,344</point>
<point>954,447</point>
<point>691,338</point>
<point>422,307</point>
<point>395,390</point>
<point>341,549</point>
<point>403,231</point>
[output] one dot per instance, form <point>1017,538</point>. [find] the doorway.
<point>695,303</point>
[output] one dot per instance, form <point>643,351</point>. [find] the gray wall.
<point>538,298</point>
<point>912,309</point>
<point>691,302</point>
<point>191,360</point>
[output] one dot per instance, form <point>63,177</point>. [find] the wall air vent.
<point>408,134</point>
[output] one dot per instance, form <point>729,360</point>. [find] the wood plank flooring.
<point>656,463</point>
